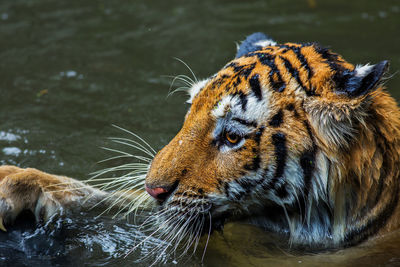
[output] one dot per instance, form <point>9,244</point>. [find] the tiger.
<point>288,137</point>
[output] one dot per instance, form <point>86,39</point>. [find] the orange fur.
<point>319,157</point>
<point>367,144</point>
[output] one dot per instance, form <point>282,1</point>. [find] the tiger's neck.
<point>364,192</point>
<point>355,193</point>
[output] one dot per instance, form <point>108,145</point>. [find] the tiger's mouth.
<point>193,210</point>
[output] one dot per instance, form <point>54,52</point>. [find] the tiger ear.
<point>254,42</point>
<point>362,79</point>
<point>335,120</point>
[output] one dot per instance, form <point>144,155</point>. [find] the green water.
<point>70,69</point>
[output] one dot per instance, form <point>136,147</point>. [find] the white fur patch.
<point>293,181</point>
<point>256,110</point>
<point>320,181</point>
<point>195,89</point>
<point>223,106</point>
<point>362,71</point>
<point>264,43</point>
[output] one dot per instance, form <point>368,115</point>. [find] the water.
<point>70,69</point>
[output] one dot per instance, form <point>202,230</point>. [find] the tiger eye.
<point>232,138</point>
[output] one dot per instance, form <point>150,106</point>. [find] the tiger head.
<point>276,138</point>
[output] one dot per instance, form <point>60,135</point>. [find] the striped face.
<point>257,138</point>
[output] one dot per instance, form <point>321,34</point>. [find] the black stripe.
<point>255,164</point>
<point>309,131</point>
<point>243,100</point>
<point>375,224</point>
<point>386,168</point>
<point>236,82</point>
<point>227,187</point>
<point>245,183</point>
<point>242,70</point>
<point>279,142</point>
<point>246,123</point>
<point>294,72</point>
<point>255,86</point>
<point>307,162</point>
<point>217,82</point>
<point>325,53</point>
<point>278,85</point>
<point>220,185</point>
<point>340,74</point>
<point>281,192</point>
<point>277,119</point>
<point>378,221</point>
<point>265,59</point>
<point>248,183</point>
<point>236,67</point>
<point>258,135</point>
<point>304,64</point>
<point>269,60</point>
<point>247,71</point>
<point>382,178</point>
<point>291,107</point>
<point>303,61</point>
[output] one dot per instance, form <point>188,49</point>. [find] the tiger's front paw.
<point>11,205</point>
<point>30,189</point>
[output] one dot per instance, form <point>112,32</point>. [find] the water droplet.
<point>11,151</point>
<point>4,136</point>
<point>71,73</point>
<point>382,14</point>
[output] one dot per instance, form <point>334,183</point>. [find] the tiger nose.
<point>160,193</point>
<point>157,192</point>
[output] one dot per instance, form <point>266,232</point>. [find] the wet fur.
<point>318,162</point>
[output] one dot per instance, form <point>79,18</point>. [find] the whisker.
<point>136,169</point>
<point>208,238</point>
<point>138,201</point>
<point>120,198</point>
<point>171,237</point>
<point>127,154</point>
<point>115,157</point>
<point>136,146</point>
<point>182,78</point>
<point>187,66</point>
<point>112,195</point>
<point>137,136</point>
<point>199,234</point>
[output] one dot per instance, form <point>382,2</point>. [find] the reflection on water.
<point>106,241</point>
<point>261,249</point>
<point>70,69</point>
<point>66,242</point>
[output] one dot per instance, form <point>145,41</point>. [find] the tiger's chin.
<point>274,219</point>
<point>205,218</point>
<point>192,219</point>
